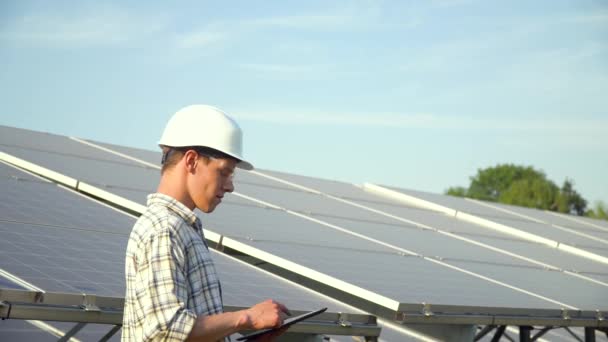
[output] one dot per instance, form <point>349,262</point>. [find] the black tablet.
<point>287,322</point>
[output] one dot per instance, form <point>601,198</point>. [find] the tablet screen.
<point>287,322</point>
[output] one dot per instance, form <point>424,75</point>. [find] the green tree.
<point>532,193</point>
<point>457,191</point>
<point>489,183</point>
<point>524,186</point>
<point>599,211</point>
<point>569,201</point>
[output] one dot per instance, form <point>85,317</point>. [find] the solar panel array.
<point>404,253</point>
<point>59,241</point>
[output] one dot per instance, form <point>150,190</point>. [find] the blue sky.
<point>416,94</point>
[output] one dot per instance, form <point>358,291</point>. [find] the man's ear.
<point>190,160</point>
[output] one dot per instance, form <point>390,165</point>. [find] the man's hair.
<point>172,155</point>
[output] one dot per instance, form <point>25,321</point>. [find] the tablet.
<point>287,322</point>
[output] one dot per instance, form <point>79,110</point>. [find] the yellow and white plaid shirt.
<point>170,275</point>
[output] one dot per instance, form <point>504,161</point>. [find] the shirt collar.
<point>177,207</point>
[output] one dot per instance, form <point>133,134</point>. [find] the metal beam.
<point>110,333</point>
<point>573,334</point>
<point>589,334</point>
<point>524,333</point>
<point>82,308</point>
<point>541,333</point>
<point>72,332</point>
<point>487,329</point>
<point>499,332</point>
<point>508,337</point>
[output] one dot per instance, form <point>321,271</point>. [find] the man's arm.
<point>268,314</point>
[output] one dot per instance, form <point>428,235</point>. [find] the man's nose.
<point>229,186</point>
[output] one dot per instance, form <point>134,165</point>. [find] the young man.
<point>173,292</point>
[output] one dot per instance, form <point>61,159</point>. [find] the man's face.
<point>209,182</point>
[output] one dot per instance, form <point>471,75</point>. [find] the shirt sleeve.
<point>163,289</point>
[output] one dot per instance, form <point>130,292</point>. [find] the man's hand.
<point>267,314</point>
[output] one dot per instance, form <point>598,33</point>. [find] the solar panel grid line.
<point>575,219</point>
<point>34,177</point>
<point>510,212</point>
<point>527,217</point>
<point>36,169</point>
<point>17,280</point>
<point>378,190</point>
<point>429,259</point>
<point>69,183</point>
<point>143,162</point>
<point>82,193</point>
<point>582,276</point>
<point>108,196</point>
<point>575,232</point>
<point>496,226</point>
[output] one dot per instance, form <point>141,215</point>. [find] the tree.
<point>532,193</point>
<point>458,191</point>
<point>569,201</point>
<point>488,184</point>
<point>599,211</point>
<point>523,186</point>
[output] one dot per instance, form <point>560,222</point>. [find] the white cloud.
<point>547,124</point>
<point>100,26</point>
<point>314,22</point>
<point>200,39</point>
<point>593,18</point>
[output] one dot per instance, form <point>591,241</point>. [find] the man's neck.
<point>175,186</point>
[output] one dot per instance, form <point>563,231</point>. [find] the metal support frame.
<point>84,309</point>
<point>573,334</point>
<point>524,333</point>
<point>499,332</point>
<point>72,332</point>
<point>110,333</point>
<point>589,334</point>
<point>541,333</point>
<point>486,330</point>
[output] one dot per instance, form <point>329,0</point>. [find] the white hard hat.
<point>207,126</point>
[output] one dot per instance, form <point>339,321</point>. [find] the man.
<point>173,292</point>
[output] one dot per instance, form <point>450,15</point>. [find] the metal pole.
<point>110,333</point>
<point>484,332</point>
<point>524,333</point>
<point>499,332</point>
<point>589,334</point>
<point>541,333</point>
<point>72,332</point>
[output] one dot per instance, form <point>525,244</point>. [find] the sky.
<point>414,94</point>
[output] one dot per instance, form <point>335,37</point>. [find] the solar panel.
<point>535,221</point>
<point>330,254</point>
<point>62,242</point>
<point>303,202</point>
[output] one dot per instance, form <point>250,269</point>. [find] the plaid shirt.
<point>170,276</point>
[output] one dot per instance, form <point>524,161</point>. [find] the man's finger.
<point>284,309</point>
